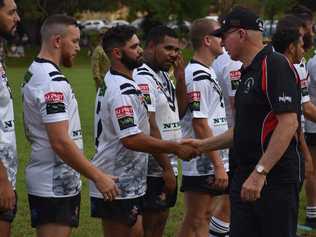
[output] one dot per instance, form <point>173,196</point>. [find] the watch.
<point>260,170</point>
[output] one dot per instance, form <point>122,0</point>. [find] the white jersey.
<point>8,154</point>
<point>310,126</point>
<point>302,73</point>
<point>160,97</point>
<point>48,98</point>
<point>206,101</point>
<point>120,112</point>
<point>228,77</point>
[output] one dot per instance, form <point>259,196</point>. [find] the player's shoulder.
<point>120,84</point>
<point>44,69</point>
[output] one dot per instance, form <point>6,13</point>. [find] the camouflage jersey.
<point>49,98</point>
<point>120,113</point>
<point>8,155</point>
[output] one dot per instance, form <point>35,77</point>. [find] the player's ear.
<point>56,41</point>
<point>117,53</point>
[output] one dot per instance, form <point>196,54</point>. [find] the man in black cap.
<point>264,189</point>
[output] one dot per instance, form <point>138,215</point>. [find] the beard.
<point>130,63</point>
<point>308,41</point>
<point>7,35</point>
<point>66,61</point>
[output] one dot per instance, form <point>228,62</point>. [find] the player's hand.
<point>196,143</point>
<point>309,166</point>
<point>106,184</point>
<point>187,152</point>
<point>170,181</point>
<point>251,188</point>
<point>221,178</point>
<point>7,195</point>
<point>178,68</point>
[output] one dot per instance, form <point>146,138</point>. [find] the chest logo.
<point>249,83</point>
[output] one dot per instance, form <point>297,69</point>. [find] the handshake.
<point>188,149</point>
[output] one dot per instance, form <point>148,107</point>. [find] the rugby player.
<point>122,137</point>
<point>52,125</point>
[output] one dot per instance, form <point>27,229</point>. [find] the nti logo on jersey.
<point>194,100</point>
<point>125,117</point>
<point>54,102</point>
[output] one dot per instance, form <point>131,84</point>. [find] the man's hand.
<point>170,181</point>
<point>196,143</point>
<point>186,152</point>
<point>251,189</point>
<point>107,186</point>
<point>221,178</point>
<point>178,68</point>
<point>7,195</point>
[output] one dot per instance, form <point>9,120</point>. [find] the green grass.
<point>81,80</point>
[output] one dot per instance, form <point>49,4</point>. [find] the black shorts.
<point>201,184</point>
<point>124,211</point>
<point>273,215</point>
<point>310,139</point>
<point>64,210</point>
<point>155,198</point>
<point>8,216</point>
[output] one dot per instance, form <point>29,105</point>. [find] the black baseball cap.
<point>239,17</point>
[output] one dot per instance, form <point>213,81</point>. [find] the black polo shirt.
<point>260,96</point>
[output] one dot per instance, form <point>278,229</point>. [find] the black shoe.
<point>311,222</point>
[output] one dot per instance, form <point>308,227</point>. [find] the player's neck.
<point>204,56</point>
<point>119,67</point>
<point>50,55</point>
<point>250,53</point>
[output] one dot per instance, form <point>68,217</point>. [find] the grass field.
<point>81,80</point>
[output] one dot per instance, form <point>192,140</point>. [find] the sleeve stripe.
<point>202,77</point>
<point>60,79</point>
<point>55,73</point>
<point>126,85</point>
<point>199,72</point>
<point>145,73</point>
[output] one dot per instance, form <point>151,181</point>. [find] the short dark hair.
<point>117,37</point>
<point>290,22</point>
<point>56,24</point>
<point>199,29</point>
<point>1,3</point>
<point>302,12</point>
<point>158,33</point>
<point>282,39</point>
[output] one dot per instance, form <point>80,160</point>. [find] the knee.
<point>197,220</point>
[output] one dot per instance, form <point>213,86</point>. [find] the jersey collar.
<point>114,72</point>
<point>43,60</point>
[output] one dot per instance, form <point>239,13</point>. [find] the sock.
<point>218,228</point>
<point>311,212</point>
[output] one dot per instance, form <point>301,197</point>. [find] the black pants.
<point>273,215</point>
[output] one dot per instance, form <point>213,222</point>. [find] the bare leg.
<point>154,223</point>
<point>53,230</point>
<point>5,228</point>
<point>197,215</point>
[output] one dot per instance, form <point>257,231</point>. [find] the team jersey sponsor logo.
<point>304,87</point>
<point>219,121</point>
<point>235,79</point>
<point>125,117</point>
<point>54,102</point>
<point>145,90</point>
<point>194,100</point>
<point>171,126</point>
<point>285,99</point>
